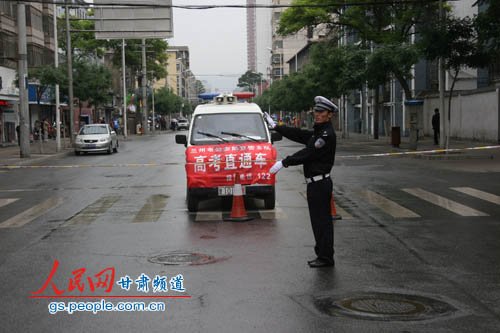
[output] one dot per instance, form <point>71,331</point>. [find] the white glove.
<point>269,120</point>
<point>276,167</point>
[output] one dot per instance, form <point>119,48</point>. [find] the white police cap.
<point>324,104</point>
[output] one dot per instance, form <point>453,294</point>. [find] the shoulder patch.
<point>319,143</point>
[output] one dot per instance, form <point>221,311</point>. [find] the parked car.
<point>228,139</point>
<point>182,124</point>
<point>96,138</point>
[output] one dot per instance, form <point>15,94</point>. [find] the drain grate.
<point>385,306</point>
<point>182,258</point>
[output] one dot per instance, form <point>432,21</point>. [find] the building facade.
<point>40,49</point>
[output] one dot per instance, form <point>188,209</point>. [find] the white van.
<point>228,141</point>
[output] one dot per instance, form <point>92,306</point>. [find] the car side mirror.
<point>275,136</point>
<point>181,139</point>
<point>113,132</point>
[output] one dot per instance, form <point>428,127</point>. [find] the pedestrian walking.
<point>435,125</point>
<point>317,159</point>
<point>45,127</point>
<point>18,132</point>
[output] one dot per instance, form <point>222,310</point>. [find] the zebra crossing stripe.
<point>478,194</point>
<point>388,206</point>
<point>31,213</point>
<point>152,209</point>
<point>90,213</point>
<point>5,202</point>
<point>443,202</point>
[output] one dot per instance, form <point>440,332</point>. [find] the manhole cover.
<point>183,258</point>
<point>385,306</point>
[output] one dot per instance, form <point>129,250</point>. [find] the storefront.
<point>8,120</point>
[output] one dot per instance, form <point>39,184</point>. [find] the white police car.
<point>228,141</point>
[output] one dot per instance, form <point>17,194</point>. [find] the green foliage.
<point>296,18</point>
<point>49,75</point>
<point>249,79</point>
<point>166,102</point>
<point>455,41</point>
<point>391,59</point>
<point>487,24</point>
<point>83,43</point>
<point>92,82</point>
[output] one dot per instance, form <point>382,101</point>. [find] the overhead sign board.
<point>133,19</point>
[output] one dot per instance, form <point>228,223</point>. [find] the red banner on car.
<point>218,165</point>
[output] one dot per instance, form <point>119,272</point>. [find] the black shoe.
<point>310,261</point>
<point>318,263</point>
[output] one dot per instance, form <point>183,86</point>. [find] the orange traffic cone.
<point>238,211</point>
<point>333,210</point>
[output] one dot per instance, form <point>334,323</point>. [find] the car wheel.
<point>192,202</point>
<point>77,153</point>
<point>115,150</point>
<point>270,200</point>
<point>109,149</point>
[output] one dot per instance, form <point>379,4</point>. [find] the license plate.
<point>90,146</point>
<point>227,190</point>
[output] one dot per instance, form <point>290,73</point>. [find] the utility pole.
<point>443,137</point>
<point>144,92</point>
<point>124,92</point>
<point>70,75</point>
<point>56,65</point>
<point>23,82</point>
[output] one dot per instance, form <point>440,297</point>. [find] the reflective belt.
<point>317,178</point>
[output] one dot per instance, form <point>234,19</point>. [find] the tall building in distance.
<point>263,38</point>
<point>251,36</point>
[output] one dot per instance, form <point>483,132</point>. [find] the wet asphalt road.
<point>101,211</point>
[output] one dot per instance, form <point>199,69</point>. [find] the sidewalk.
<point>10,152</point>
<point>459,149</point>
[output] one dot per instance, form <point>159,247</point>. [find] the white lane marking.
<point>440,201</point>
<point>388,206</point>
<point>208,216</point>
<point>272,214</point>
<point>479,194</point>
<point>5,202</point>
<point>31,213</point>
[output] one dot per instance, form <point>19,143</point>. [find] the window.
<point>7,8</point>
<point>250,125</point>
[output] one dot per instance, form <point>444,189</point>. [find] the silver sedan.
<point>96,138</point>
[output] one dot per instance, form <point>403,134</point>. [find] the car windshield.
<point>85,130</point>
<point>249,127</point>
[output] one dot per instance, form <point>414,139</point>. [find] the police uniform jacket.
<point>319,154</point>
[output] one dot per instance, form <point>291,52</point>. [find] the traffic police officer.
<point>317,158</point>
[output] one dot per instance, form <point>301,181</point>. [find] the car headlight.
<point>78,140</point>
<point>103,140</point>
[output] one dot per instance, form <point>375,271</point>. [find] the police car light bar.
<point>208,96</point>
<point>244,94</point>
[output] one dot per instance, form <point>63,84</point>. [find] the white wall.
<point>473,115</point>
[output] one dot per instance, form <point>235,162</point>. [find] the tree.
<point>166,102</point>
<point>85,45</point>
<point>456,42</point>
<point>374,25</point>
<point>92,82</point>
<point>250,79</point>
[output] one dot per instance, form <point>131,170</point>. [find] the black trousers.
<point>319,195</point>
<point>436,136</point>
